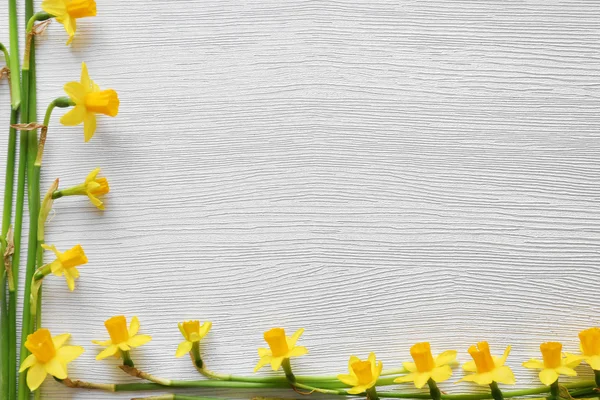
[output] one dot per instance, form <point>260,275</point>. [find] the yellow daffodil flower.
<point>121,338</point>
<point>281,347</point>
<point>487,368</point>
<point>67,12</point>
<point>92,187</point>
<point>553,364</point>
<point>426,367</point>
<point>363,374</point>
<point>590,347</point>
<point>193,332</point>
<point>89,100</point>
<point>66,263</point>
<point>48,355</point>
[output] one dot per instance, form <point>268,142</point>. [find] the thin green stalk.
<point>12,298</point>
<point>144,386</point>
<point>7,275</point>
<point>15,84</point>
<point>33,182</point>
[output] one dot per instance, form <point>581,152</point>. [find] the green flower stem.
<point>29,114</point>
<point>15,79</point>
<point>287,368</point>
<point>7,276</point>
<point>12,296</point>
<point>143,386</point>
<point>597,377</point>
<point>61,102</point>
<point>496,392</point>
<point>196,357</point>
<point>372,394</point>
<point>127,361</point>
<point>434,391</point>
<point>554,390</point>
<point>175,397</point>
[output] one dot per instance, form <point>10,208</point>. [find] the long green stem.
<point>7,275</point>
<point>15,84</point>
<point>33,182</point>
<point>12,298</point>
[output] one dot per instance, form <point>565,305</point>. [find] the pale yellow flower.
<point>92,187</point>
<point>426,367</point>
<point>67,12</point>
<point>363,374</point>
<point>487,368</point>
<point>553,364</point>
<point>48,355</point>
<point>192,332</point>
<point>89,100</point>
<point>66,263</point>
<point>121,338</point>
<point>281,347</point>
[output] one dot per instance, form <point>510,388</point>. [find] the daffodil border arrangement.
<point>42,354</point>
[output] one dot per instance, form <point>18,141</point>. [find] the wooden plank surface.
<point>378,172</point>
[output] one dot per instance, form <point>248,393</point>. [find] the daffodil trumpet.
<point>61,102</point>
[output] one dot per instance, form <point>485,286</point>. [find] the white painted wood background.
<point>378,172</point>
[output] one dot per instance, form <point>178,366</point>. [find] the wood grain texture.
<point>379,173</point>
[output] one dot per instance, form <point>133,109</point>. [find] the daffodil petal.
<point>102,342</point>
<point>75,116</point>
<point>297,351</point>
<point>348,380</point>
<point>357,389</point>
<point>483,379</point>
<point>204,329</point>
<point>60,340</point>
<point>504,375</point>
<point>124,346</point>
<point>564,370</point>
<point>85,77</point>
<point>405,378</point>
<point>534,364</point>
<point>469,366</point>
<point>573,360</point>
<point>548,376</point>
<point>54,7</point>
<point>594,362</point>
<point>89,126</point>
<point>445,358</point>
<point>29,361</point>
<point>134,326</point>
<point>441,374</point>
<point>75,91</point>
<point>69,353</point>
<point>56,368</point>
<point>291,341</point>
<point>262,362</point>
<point>36,376</point>
<point>504,357</point>
<point>183,348</point>
<point>262,352</point>
<point>109,351</point>
<point>421,379</point>
<point>139,340</point>
<point>276,362</point>
<point>409,366</point>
